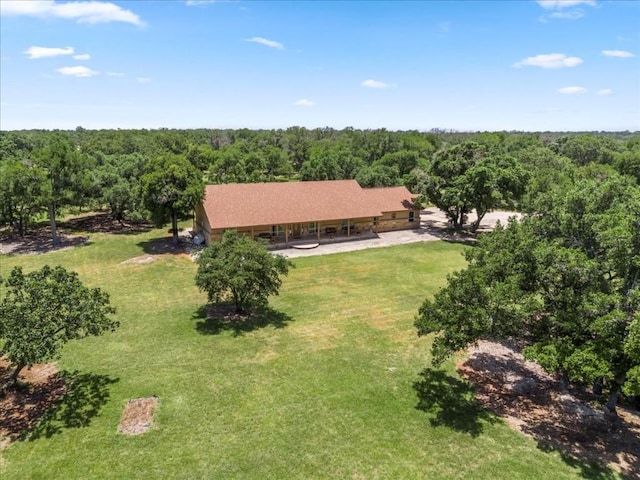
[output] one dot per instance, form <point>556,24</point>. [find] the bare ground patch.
<point>71,233</point>
<point>21,409</point>
<point>140,260</point>
<point>319,336</point>
<point>137,416</point>
<point>39,242</point>
<point>48,401</point>
<point>536,404</point>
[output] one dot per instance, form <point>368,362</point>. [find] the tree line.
<point>44,173</point>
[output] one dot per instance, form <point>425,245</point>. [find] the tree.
<point>466,177</point>
<point>42,310</point>
<point>119,179</point>
<point>66,172</point>
<point>378,175</point>
<point>171,188</point>
<point>628,163</point>
<point>565,279</point>
<point>297,145</point>
<point>20,189</point>
<point>240,270</point>
<point>494,182</point>
<point>587,148</point>
<point>277,163</point>
<point>228,166</point>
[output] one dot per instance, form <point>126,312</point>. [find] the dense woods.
<point>44,173</point>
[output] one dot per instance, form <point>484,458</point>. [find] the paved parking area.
<point>433,226</point>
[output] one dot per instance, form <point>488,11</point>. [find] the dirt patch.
<point>141,259</point>
<point>21,409</point>
<point>536,404</point>
<point>137,416</point>
<point>71,233</point>
<point>103,223</point>
<point>39,242</point>
<point>318,336</point>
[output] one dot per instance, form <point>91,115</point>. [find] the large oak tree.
<point>42,310</point>
<point>171,188</point>
<point>467,176</point>
<point>566,279</point>
<point>240,270</point>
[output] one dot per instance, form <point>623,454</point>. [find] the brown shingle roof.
<point>251,204</point>
<point>389,199</point>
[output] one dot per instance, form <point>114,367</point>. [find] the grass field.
<point>327,385</point>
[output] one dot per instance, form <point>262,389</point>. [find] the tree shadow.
<point>588,469</point>
<point>102,222</point>
<point>214,319</point>
<point>561,419</point>
<point>41,242</point>
<point>158,246</point>
<point>451,403</point>
<point>85,395</point>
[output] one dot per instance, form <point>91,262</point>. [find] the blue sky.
<point>464,65</point>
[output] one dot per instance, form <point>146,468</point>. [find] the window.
<point>375,221</point>
<point>412,216</point>
<point>312,228</point>
<point>277,230</point>
<point>393,215</point>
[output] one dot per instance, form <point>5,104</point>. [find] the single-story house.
<point>282,212</point>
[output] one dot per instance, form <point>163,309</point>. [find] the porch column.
<point>318,230</point>
<point>252,234</point>
<point>348,228</point>
<point>286,233</point>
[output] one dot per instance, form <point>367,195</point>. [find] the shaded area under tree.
<point>214,319</point>
<point>559,418</point>
<point>45,406</point>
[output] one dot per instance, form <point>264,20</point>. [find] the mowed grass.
<point>326,391</point>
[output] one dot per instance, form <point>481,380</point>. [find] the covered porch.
<point>283,235</point>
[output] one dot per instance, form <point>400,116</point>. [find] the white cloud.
<point>551,60</point>
<point>143,80</point>
<point>82,12</point>
<point>617,53</point>
<point>375,84</point>
<point>570,15</point>
<point>557,5</point>
<point>266,42</point>
<point>572,90</point>
<point>82,56</point>
<point>115,74</point>
<point>78,71</point>
<point>605,91</point>
<point>303,102</point>
<point>560,4</point>
<point>46,52</point>
<point>193,3</point>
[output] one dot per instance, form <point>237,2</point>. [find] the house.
<point>283,212</point>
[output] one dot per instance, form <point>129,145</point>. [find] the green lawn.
<point>326,387</point>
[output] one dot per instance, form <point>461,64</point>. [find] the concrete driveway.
<point>433,226</point>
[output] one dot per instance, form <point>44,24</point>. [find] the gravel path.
<point>433,226</point>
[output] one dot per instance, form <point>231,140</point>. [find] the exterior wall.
<point>398,220</point>
<point>216,235</point>
<point>202,224</point>
<point>387,222</point>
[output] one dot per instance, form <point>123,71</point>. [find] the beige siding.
<point>387,222</point>
<point>202,224</point>
<point>398,221</point>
